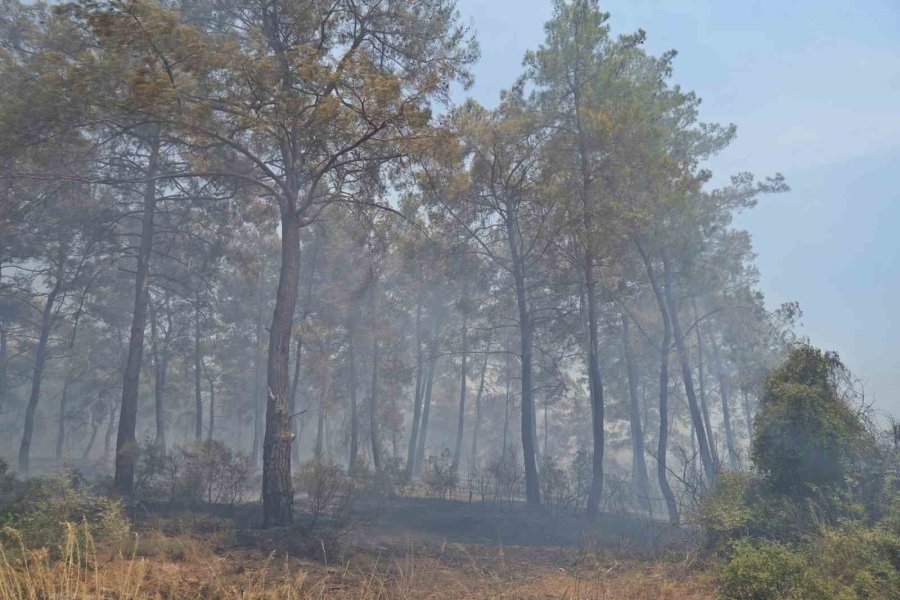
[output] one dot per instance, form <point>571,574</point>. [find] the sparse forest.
<point>280,318</point>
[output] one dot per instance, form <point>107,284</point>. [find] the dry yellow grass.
<point>180,567</point>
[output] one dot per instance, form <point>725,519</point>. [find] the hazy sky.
<point>814,88</point>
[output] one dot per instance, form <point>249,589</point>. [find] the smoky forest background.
<point>256,264</point>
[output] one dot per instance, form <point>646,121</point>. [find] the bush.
<point>326,488</point>
<point>808,441</point>
<point>439,476</point>
<point>205,471</point>
<point>764,571</point>
<point>37,511</point>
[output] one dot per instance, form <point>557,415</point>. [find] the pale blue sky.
<point>814,88</point>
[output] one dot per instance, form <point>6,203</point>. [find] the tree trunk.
<point>701,381</point>
<point>662,448</point>
<point>526,338</point>
<point>110,429</point>
<point>463,376</point>
<point>725,392</point>
<point>476,429</point>
<point>426,402</point>
<point>595,381</point>
<point>40,360</point>
<point>61,430</point>
<point>198,368</point>
<point>278,493</point>
<point>95,427</point>
<point>257,375</point>
<point>3,366</point>
<point>374,432</point>
<point>417,401</point>
<point>126,445</point>
<point>354,399</point>
<point>161,365</point>
<point>295,414</point>
<point>638,463</point>
<point>506,403</point>
<point>684,359</point>
<point>212,403</point>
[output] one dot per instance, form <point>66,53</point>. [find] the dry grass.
<point>181,567</point>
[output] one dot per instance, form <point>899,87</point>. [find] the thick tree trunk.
<point>684,359</point>
<point>638,463</point>
<point>417,401</point>
<point>126,445</point>
<point>508,399</point>
<point>662,448</point>
<point>40,360</point>
<point>111,428</point>
<point>463,378</point>
<point>278,493</point>
<point>198,370</point>
<point>476,429</point>
<point>61,429</point>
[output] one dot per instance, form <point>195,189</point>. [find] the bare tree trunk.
<point>725,392</point>
<point>126,445</point>
<point>701,381</point>
<point>295,384</point>
<point>684,359</point>
<point>212,403</point>
<point>257,374</point>
<point>61,430</point>
<point>476,429</point>
<point>95,427</point>
<point>426,402</point>
<point>374,432</point>
<point>40,360</point>
<point>354,399</point>
<point>417,401</point>
<point>664,352</point>
<point>278,493</point>
<point>638,463</point>
<point>4,381</point>
<point>508,371</point>
<point>161,365</point>
<point>198,369</point>
<point>463,377</point>
<point>595,380</point>
<point>111,428</point>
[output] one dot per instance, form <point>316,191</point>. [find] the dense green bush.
<point>34,513</point>
<point>809,442</point>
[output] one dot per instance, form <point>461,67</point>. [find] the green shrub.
<point>37,511</point>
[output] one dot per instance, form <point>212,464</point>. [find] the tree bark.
<point>212,403</point>
<point>638,463</point>
<point>476,429</point>
<point>198,369</point>
<point>701,382</point>
<point>278,493</point>
<point>126,445</point>
<point>3,366</point>
<point>595,381</point>
<point>725,392</point>
<point>426,402</point>
<point>417,401</point>
<point>257,374</point>
<point>709,468</point>
<point>662,448</point>
<point>40,360</point>
<point>374,432</point>
<point>463,377</point>
<point>354,399</point>
<point>160,368</point>
<point>61,430</point>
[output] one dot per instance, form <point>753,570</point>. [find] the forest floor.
<point>407,548</point>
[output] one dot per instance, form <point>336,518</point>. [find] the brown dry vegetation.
<point>206,559</point>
